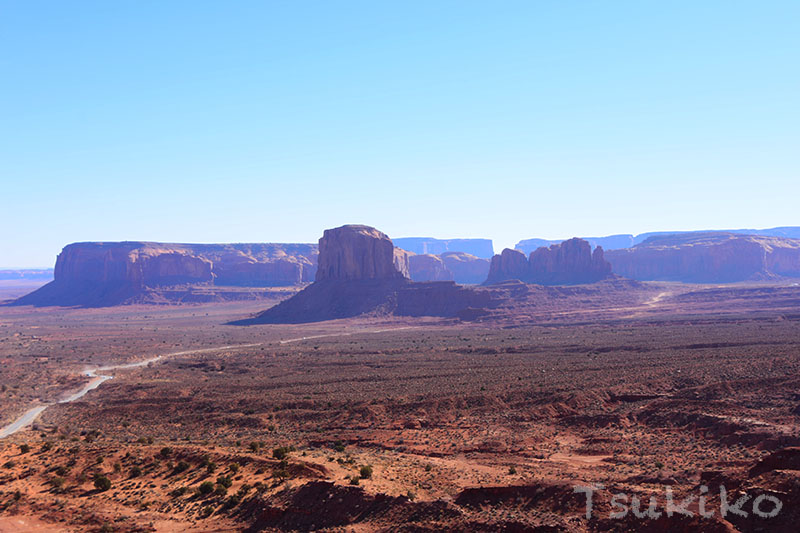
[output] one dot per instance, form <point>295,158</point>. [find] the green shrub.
<point>282,452</point>
<point>166,452</point>
<point>366,471</point>
<point>182,466</point>
<point>205,488</point>
<point>136,471</point>
<point>225,481</point>
<point>24,448</point>
<point>102,483</point>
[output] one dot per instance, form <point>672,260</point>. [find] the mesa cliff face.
<point>708,258</point>
<point>355,252</point>
<point>428,268</point>
<point>482,248</point>
<point>358,274</point>
<point>100,274</point>
<point>569,263</point>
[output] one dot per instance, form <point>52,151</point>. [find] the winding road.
<point>96,378</point>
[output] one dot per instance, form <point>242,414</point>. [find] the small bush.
<point>165,452</point>
<point>136,471</point>
<point>205,488</point>
<point>512,470</point>
<point>234,468</point>
<point>366,471</point>
<point>180,491</point>
<point>182,466</point>
<point>225,481</point>
<point>354,480</point>
<point>221,490</point>
<point>102,483</point>
<point>281,453</point>
<point>24,448</point>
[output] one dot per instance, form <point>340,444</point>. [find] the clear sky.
<point>269,121</point>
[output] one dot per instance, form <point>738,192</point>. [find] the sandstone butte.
<point>358,274</point>
<point>569,263</point>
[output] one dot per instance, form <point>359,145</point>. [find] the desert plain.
<point>386,423</point>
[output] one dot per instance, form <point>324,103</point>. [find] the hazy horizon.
<point>269,122</point>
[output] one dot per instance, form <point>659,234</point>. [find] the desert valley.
<point>417,385</point>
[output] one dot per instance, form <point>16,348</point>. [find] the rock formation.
<point>569,263</point>
<point>466,268</point>
<point>358,275</point>
<point>356,252</point>
<point>425,245</point>
<point>509,264</point>
<point>428,267</point>
<point>99,274</point>
<point>713,257</point>
<point>627,240</point>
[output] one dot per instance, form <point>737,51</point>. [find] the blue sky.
<point>270,121</point>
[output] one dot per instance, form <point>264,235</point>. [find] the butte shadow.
<point>360,273</point>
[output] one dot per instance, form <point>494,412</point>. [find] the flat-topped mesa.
<point>571,262</point>
<point>356,252</point>
<point>113,273</point>
<point>709,257</point>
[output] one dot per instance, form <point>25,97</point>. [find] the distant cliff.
<point>712,257</point>
<point>626,240</point>
<point>569,263</point>
<point>425,245</point>
<point>97,274</point>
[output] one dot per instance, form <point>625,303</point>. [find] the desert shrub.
<point>165,452</point>
<point>24,448</point>
<point>338,446</point>
<point>354,480</point>
<point>182,466</point>
<point>58,482</point>
<point>136,471</point>
<point>512,470</point>
<point>281,453</point>
<point>17,496</point>
<point>234,467</point>
<point>221,490</point>
<point>428,468</point>
<point>366,471</point>
<point>225,481</point>
<point>205,488</point>
<point>659,465</point>
<point>102,483</point>
<point>47,446</point>
<point>180,491</point>
<point>254,446</point>
<point>207,511</point>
